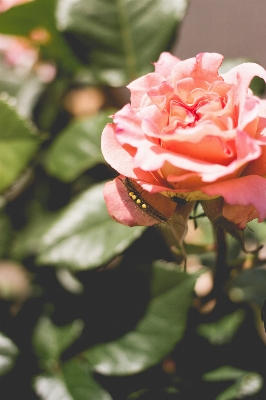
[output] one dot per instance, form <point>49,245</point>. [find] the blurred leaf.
<point>83,236</point>
<point>249,285</point>
<point>225,373</point>
<point>81,383</point>
<point>28,95</point>
<point>247,383</point>
<point>19,143</point>
<point>5,233</point>
<point>134,34</point>
<point>77,148</point>
<point>50,341</point>
<point>22,19</point>
<point>27,241</point>
<point>257,85</point>
<point>8,354</point>
<point>156,334</point>
<point>75,383</point>
<point>69,281</point>
<point>222,331</point>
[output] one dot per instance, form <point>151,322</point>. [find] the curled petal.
<point>124,209</point>
<point>244,191</point>
<point>240,215</point>
<point>165,64</point>
<point>141,85</point>
<point>204,66</point>
<point>118,157</point>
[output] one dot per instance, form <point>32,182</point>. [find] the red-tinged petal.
<point>240,215</point>
<point>125,210</point>
<point>204,66</point>
<point>165,64</point>
<point>244,191</point>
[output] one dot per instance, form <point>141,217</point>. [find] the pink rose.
<point>189,133</point>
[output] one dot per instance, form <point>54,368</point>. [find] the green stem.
<point>221,268</point>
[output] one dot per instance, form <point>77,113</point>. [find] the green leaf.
<point>134,34</point>
<point>224,373</point>
<point>18,143</point>
<point>24,18</point>
<point>27,241</point>
<point>247,383</point>
<point>77,148</point>
<point>222,331</point>
<point>8,354</point>
<point>83,236</point>
<point>50,341</point>
<point>156,334</point>
<point>75,383</point>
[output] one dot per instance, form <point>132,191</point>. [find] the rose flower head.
<point>189,134</point>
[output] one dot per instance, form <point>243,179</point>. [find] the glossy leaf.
<point>222,331</point>
<point>18,143</point>
<point>134,34</point>
<point>77,148</point>
<point>23,19</point>
<point>8,354</point>
<point>156,334</point>
<point>247,383</point>
<point>50,340</point>
<point>75,383</point>
<point>83,236</point>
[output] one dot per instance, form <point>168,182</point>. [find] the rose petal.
<point>124,209</point>
<point>118,157</point>
<point>245,191</point>
<point>141,86</point>
<point>165,64</point>
<point>204,66</point>
<point>240,215</point>
<point>241,76</point>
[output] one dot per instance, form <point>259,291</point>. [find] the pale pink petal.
<point>245,191</point>
<point>124,209</point>
<point>241,76</point>
<point>128,127</point>
<point>204,66</point>
<point>139,87</point>
<point>248,120</point>
<point>197,133</point>
<point>165,64</point>
<point>119,158</point>
<point>186,85</point>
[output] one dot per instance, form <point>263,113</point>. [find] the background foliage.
<point>91,309</point>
